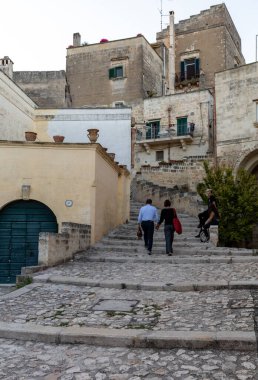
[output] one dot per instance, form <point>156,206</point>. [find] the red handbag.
<point>177,224</point>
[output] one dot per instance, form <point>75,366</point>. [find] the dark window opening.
<point>116,72</point>
<point>152,129</point>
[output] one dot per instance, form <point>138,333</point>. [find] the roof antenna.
<point>161,14</point>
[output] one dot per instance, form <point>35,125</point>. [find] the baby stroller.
<point>204,234</point>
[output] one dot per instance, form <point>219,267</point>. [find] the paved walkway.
<point>189,316</point>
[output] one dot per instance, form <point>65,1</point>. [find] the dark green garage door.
<point>20,225</point>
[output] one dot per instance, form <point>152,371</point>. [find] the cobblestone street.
<point>116,313</point>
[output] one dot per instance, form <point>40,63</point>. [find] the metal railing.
<point>153,134</point>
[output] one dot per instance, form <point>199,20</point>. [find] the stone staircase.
<point>115,295</point>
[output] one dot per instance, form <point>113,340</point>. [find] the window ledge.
<point>119,78</point>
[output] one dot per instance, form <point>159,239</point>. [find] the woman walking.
<point>167,215</point>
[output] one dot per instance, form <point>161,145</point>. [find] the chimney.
<point>171,54</point>
<point>76,39</point>
<point>6,65</point>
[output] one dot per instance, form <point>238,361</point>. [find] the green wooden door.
<point>20,225</point>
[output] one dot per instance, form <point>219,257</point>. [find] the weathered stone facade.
<point>211,37</point>
<point>173,144</point>
<point>137,73</point>
<point>237,117</point>
<point>45,88</point>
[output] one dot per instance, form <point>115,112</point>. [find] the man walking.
<point>147,216</point>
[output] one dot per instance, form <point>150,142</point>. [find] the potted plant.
<point>93,134</point>
<point>58,138</point>
<point>30,136</point>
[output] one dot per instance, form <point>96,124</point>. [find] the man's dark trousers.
<point>148,231</point>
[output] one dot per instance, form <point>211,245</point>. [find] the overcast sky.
<point>36,33</point>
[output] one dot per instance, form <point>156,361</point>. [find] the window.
<point>116,72</point>
<point>256,112</point>
<point>181,126</point>
<point>160,155</point>
<point>152,129</point>
<point>190,69</point>
<point>119,104</point>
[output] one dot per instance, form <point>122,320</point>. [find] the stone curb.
<point>172,260</point>
<point>152,286</point>
<point>223,340</point>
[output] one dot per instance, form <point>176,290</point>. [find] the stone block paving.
<point>60,305</point>
<point>39,361</point>
<point>66,305</point>
<point>150,272</point>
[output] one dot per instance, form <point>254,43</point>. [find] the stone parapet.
<point>58,248</point>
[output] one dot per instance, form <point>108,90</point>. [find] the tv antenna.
<point>161,13</point>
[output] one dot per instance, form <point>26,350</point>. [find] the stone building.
<point>52,202</point>
<point>204,44</point>
<point>181,124</point>
<point>178,126</point>
<point>237,117</point>
<point>113,73</point>
<point>46,88</point>
<point>18,114</point>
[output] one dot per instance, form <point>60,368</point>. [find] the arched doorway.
<point>20,225</point>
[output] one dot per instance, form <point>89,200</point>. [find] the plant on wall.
<point>237,198</point>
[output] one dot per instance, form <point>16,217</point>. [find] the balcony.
<point>169,137</point>
<point>182,81</point>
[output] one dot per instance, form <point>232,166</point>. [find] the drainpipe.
<point>215,132</point>
<point>171,59</point>
<point>164,70</point>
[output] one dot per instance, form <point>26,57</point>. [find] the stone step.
<point>66,312</point>
<point>204,249</point>
<point>139,338</point>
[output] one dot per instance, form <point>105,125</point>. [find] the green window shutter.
<point>197,67</point>
<point>182,126</point>
<point>111,73</point>
<point>182,70</point>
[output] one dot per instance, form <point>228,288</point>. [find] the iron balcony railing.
<point>151,133</point>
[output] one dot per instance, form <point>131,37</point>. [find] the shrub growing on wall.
<point>237,198</point>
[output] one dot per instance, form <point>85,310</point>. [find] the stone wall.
<point>183,200</point>
<point>187,173</point>
<point>16,110</point>
<point>58,248</point>
<point>236,105</point>
<point>89,65</point>
<point>212,36</point>
<point>197,106</point>
<point>45,88</point>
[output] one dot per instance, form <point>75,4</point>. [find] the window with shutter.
<point>189,69</point>
<point>116,72</point>
<point>160,155</point>
<point>152,129</point>
<point>181,126</point>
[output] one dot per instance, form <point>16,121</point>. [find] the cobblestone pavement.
<point>66,305</point>
<point>130,271</point>
<point>38,361</point>
<point>63,305</point>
